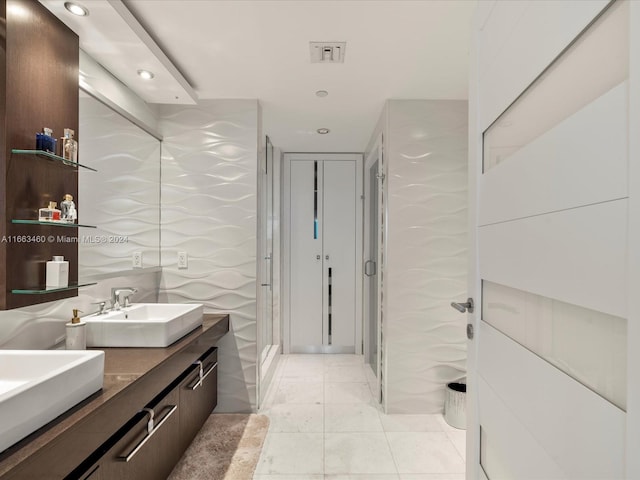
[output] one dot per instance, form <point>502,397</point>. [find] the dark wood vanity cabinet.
<point>141,450</point>
<point>114,439</point>
<point>150,444</point>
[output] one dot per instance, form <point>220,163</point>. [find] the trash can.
<point>455,405</point>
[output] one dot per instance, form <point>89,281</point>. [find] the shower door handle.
<point>370,272</point>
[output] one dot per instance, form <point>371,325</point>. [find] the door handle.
<point>464,307</point>
<point>366,268</point>
<point>318,257</point>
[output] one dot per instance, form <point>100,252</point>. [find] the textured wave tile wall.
<point>209,210</point>
<point>426,265</point>
<point>123,197</point>
<point>41,326</point>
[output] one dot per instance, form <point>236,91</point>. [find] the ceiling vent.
<point>327,52</point>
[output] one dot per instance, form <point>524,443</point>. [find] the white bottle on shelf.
<point>57,272</point>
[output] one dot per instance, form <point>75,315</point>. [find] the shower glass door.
<point>371,270</point>
<point>267,250</point>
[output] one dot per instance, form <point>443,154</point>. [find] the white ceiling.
<point>260,49</point>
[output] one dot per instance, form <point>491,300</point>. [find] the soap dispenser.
<point>76,333</point>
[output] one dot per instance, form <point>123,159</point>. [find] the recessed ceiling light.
<point>76,9</point>
<point>323,131</point>
<point>322,93</point>
<point>146,74</point>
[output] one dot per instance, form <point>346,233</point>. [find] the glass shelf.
<point>40,290</point>
<point>55,224</point>
<point>52,156</point>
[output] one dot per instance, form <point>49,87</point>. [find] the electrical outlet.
<point>183,260</point>
<point>136,259</point>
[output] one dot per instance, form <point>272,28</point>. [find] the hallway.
<point>325,424</point>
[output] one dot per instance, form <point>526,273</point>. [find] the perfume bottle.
<point>45,141</point>
<point>49,214</point>
<point>69,146</point>
<point>69,213</point>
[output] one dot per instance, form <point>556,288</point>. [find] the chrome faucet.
<point>115,296</point>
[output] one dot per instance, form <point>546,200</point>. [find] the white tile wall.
<point>123,197</point>
<point>209,210</point>
<point>426,265</point>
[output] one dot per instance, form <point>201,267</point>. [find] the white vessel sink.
<point>143,325</point>
<point>36,386</point>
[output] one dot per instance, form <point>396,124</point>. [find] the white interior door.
<point>547,365</point>
<point>322,259</point>
<point>306,263</point>
<point>339,247</point>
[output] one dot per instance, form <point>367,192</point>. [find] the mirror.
<point>122,198</point>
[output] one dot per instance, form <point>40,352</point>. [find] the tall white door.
<point>547,355</point>
<point>339,248</point>
<point>324,231</point>
<point>306,262</point>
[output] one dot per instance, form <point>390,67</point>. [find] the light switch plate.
<point>136,259</point>
<point>183,260</point>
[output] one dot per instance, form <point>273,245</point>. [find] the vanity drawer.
<point>198,395</point>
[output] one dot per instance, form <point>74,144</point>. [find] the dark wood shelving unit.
<point>39,84</point>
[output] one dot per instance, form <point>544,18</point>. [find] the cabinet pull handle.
<point>203,374</point>
<point>151,430</point>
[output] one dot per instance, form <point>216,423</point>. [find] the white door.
<point>324,234</point>
<point>339,249</point>
<point>548,183</point>
<point>306,263</point>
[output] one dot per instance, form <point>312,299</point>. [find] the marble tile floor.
<point>326,425</point>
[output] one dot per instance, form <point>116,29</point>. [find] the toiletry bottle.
<point>76,333</point>
<point>57,272</point>
<point>69,145</point>
<point>69,212</point>
<point>45,141</point>
<point>50,213</point>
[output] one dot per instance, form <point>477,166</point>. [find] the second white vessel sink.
<point>143,325</point>
<point>36,386</point>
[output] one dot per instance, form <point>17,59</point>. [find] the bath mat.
<point>227,447</point>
